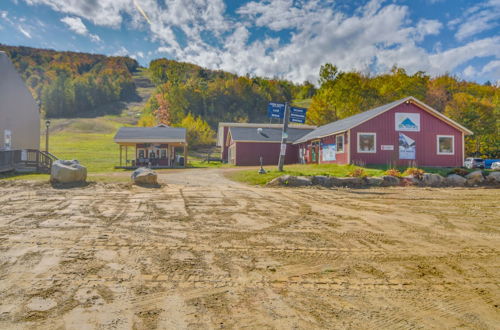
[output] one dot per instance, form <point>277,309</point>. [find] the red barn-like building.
<point>404,132</point>
<point>242,144</point>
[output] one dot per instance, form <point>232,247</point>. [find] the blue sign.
<point>298,111</point>
<point>276,110</point>
<point>298,115</point>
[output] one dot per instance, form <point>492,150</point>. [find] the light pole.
<point>47,125</point>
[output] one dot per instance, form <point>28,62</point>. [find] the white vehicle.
<point>495,166</point>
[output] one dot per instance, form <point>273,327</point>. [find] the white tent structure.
<point>19,113</point>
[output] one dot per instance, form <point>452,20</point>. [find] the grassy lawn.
<point>254,178</point>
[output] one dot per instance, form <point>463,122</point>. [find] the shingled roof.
<point>161,133</point>
<point>345,124</point>
<point>251,134</point>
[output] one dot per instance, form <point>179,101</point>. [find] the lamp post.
<point>47,125</point>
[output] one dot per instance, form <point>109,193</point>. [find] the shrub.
<point>393,172</point>
<point>357,173</point>
<point>415,172</point>
<point>459,171</point>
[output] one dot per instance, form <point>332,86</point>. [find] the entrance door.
<point>315,152</point>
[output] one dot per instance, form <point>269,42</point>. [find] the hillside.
<point>71,84</point>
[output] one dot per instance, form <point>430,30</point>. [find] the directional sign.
<point>298,111</point>
<point>276,110</point>
<point>298,115</point>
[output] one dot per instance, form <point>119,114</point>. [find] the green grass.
<point>305,103</point>
<point>254,178</point>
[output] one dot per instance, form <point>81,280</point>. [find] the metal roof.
<point>353,121</point>
<point>220,130</point>
<point>250,134</point>
<point>151,134</point>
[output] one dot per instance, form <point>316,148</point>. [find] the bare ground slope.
<point>202,252</point>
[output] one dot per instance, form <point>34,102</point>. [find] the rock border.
<point>473,179</point>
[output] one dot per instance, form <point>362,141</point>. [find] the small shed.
<point>406,132</point>
<point>246,145</point>
<point>158,147</point>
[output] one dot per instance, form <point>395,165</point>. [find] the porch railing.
<point>28,159</point>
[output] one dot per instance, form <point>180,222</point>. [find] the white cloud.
<point>479,18</point>
<point>24,31</point>
<point>377,36</point>
<point>76,25</point>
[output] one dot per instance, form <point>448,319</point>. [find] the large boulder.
<point>144,176</point>
<point>349,182</point>
<point>493,178</point>
<point>409,180</point>
<point>389,180</point>
<point>432,180</point>
<point>322,180</point>
<point>374,181</point>
<point>455,180</point>
<point>474,178</point>
<point>291,181</point>
<point>67,171</point>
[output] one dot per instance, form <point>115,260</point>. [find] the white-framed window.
<point>445,144</point>
<point>339,142</point>
<point>367,142</point>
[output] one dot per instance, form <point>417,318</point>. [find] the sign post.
<point>284,137</point>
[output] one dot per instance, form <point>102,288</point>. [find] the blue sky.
<point>281,38</point>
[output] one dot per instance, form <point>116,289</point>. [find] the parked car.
<point>495,166</point>
<point>474,162</point>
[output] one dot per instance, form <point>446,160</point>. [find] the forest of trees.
<point>70,84</point>
<point>475,106</point>
<point>217,96</point>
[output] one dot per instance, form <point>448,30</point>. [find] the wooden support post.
<point>120,155</point>
<point>185,155</point>
<point>126,155</point>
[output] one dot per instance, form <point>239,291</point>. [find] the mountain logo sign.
<point>409,122</point>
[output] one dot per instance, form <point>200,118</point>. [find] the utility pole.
<point>284,136</point>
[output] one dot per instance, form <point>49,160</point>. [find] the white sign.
<point>387,147</point>
<point>409,122</point>
<point>283,149</point>
<point>328,152</point>
<point>407,147</point>
<point>7,138</point>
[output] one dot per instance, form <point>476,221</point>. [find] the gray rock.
<point>348,182</point>
<point>374,181</point>
<point>291,181</point>
<point>144,175</point>
<point>493,178</point>
<point>67,171</point>
<point>409,180</point>
<point>389,180</point>
<point>455,180</point>
<point>432,180</point>
<point>474,178</point>
<point>322,180</point>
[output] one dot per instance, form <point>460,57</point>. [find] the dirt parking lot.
<point>203,252</point>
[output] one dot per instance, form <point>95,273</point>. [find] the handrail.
<point>28,157</point>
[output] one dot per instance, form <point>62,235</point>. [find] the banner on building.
<point>407,147</point>
<point>328,152</point>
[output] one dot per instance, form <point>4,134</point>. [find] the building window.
<point>367,142</point>
<point>445,145</point>
<point>339,141</point>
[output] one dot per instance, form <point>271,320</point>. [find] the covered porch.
<point>154,155</point>
<point>155,147</point>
